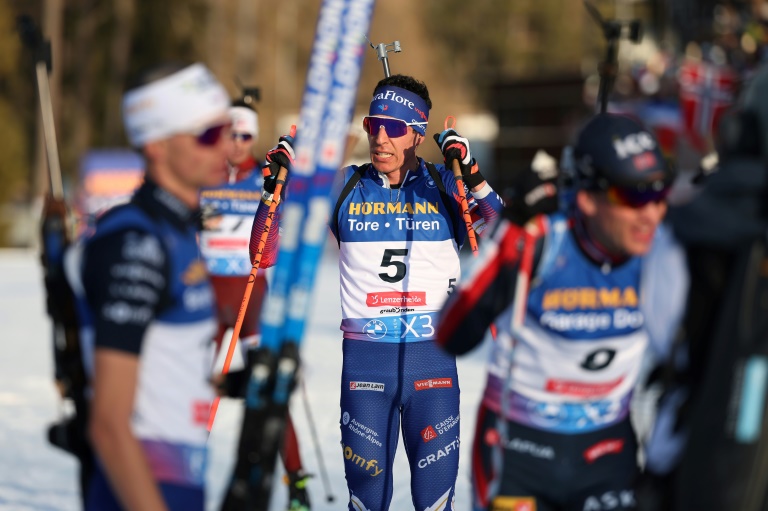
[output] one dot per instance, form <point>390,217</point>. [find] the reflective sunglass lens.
<point>394,127</point>
<point>636,198</point>
<point>211,136</point>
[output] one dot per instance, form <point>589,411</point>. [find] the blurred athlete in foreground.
<point>553,431</point>
<point>146,305</point>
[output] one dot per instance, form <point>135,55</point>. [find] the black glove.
<point>233,384</point>
<point>536,191</point>
<point>455,147</point>
<point>281,155</point>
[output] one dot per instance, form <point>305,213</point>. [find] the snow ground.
<point>36,476</point>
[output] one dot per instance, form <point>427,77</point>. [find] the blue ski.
<point>327,104</point>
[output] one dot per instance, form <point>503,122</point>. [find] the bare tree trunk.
<point>286,61</point>
<point>246,49</point>
<point>124,13</point>
<point>85,69</point>
<point>217,35</point>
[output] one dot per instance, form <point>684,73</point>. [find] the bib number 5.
<point>387,262</point>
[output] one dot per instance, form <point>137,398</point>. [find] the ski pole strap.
<point>444,196</point>
<point>348,186</point>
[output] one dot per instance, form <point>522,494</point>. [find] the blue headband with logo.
<point>401,104</point>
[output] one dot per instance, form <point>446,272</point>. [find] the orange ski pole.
<point>281,175</point>
<point>463,204</point>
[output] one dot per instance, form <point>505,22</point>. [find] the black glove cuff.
<point>269,184</point>
<point>235,383</point>
<point>474,179</point>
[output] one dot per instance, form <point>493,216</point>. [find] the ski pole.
<point>519,305</point>
<point>329,497</point>
<point>281,177</point>
<point>463,204</point>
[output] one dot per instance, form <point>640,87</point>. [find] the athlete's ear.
<point>586,201</point>
<point>419,138</point>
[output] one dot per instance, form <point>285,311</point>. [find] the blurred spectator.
<point>715,386</point>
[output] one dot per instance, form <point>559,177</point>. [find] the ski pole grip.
<point>456,168</point>
<point>282,174</point>
<point>450,123</point>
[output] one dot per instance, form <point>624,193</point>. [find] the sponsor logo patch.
<point>200,412</point>
<point>444,425</point>
<point>227,242</point>
<point>513,504</point>
<point>624,499</point>
<point>433,383</point>
<point>633,144</point>
<point>367,465</point>
<point>644,161</point>
<point>492,437</point>
<point>589,298</point>
<point>361,429</point>
<point>396,299</point>
<point>375,329</point>
<point>388,208</point>
<point>581,389</point>
<point>523,446</point>
<point>428,434</point>
<point>446,451</point>
<point>366,385</point>
<point>610,446</point>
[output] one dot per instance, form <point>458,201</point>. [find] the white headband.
<point>183,102</point>
<point>244,120</point>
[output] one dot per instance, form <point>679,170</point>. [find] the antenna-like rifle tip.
<point>369,41</point>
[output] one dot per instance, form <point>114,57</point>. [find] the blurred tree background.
<point>461,49</point>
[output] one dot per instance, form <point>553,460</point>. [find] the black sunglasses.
<point>244,137</point>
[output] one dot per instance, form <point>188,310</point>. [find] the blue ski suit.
<point>398,261</point>
<point>143,290</point>
<point>553,431</point>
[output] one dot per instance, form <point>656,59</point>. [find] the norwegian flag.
<point>706,91</point>
<point>664,119</point>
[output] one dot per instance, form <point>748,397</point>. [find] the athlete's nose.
<point>381,135</point>
<point>654,211</point>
